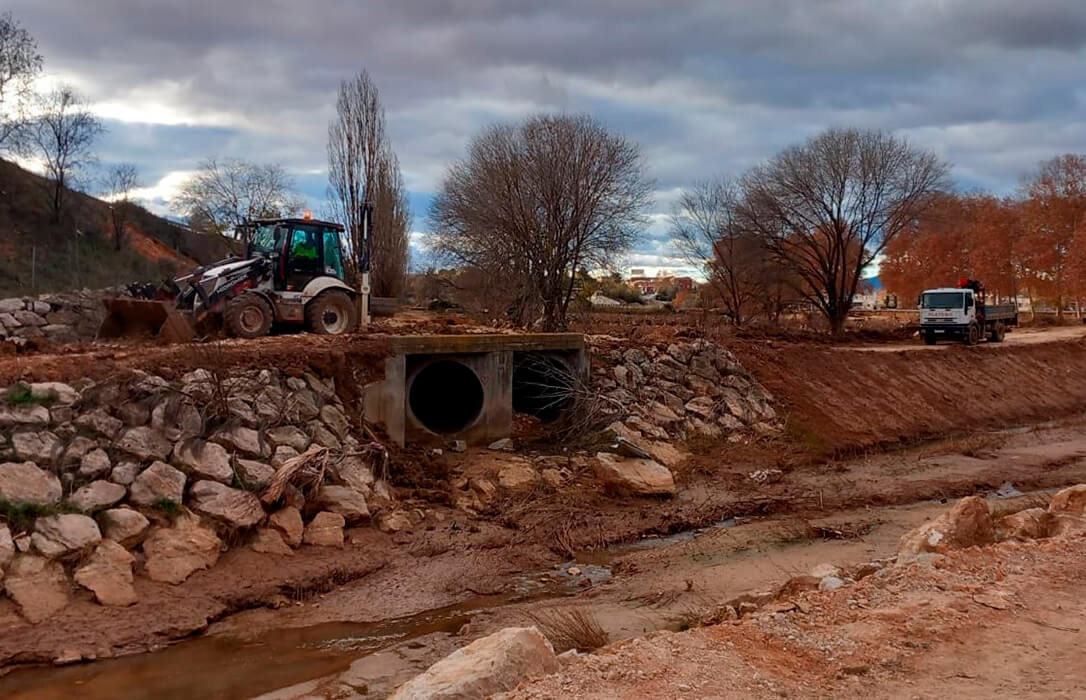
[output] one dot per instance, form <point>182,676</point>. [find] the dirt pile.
<point>837,399</point>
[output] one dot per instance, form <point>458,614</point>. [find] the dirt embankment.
<point>840,400</point>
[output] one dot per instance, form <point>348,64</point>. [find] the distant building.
<point>655,285</point>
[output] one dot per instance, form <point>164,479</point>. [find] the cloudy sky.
<point>705,86</point>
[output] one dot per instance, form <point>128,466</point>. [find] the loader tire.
<point>248,316</point>
<point>331,313</point>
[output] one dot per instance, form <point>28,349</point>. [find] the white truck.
<point>961,313</point>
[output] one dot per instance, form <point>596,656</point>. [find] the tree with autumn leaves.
<point>1032,245</point>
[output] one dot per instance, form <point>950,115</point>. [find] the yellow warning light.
<point>308,215</point>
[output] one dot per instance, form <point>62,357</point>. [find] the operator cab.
<point>300,250</point>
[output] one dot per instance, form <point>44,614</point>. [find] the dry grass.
<point>569,628</point>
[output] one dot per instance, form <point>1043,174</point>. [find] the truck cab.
<point>960,313</point>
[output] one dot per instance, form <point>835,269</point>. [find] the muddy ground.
<point>876,443</point>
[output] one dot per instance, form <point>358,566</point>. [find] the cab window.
<point>333,255</point>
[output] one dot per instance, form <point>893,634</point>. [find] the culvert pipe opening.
<point>543,386</point>
<point>446,396</point>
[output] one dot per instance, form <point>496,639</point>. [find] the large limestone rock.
<point>1061,524</point>
<point>967,524</point>
<point>283,453</point>
<point>355,472</point>
<point>254,475</point>
<point>517,475</point>
<point>491,665</point>
<point>108,573</point>
<point>78,447</point>
<point>268,541</point>
<point>290,436</point>
<point>38,586</point>
<point>1071,501</point>
<point>41,447</point>
<point>100,422</point>
<point>234,507</point>
<point>54,391</point>
<point>95,464</point>
<point>343,500</point>
<point>175,553</point>
<point>98,495</point>
<point>244,440</point>
<point>325,530</point>
<point>203,460</point>
<point>123,525</point>
<point>158,482</point>
<point>124,473</point>
<point>145,443</point>
<point>7,547</point>
<point>288,522</point>
<point>334,419</point>
<point>1028,524</point>
<point>57,535</point>
<point>642,477</point>
<point>23,482</point>
<point>33,416</point>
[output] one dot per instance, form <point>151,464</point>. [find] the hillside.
<point>39,256</point>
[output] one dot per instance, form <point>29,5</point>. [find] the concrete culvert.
<point>542,386</point>
<point>446,396</point>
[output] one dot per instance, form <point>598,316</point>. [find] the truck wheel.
<point>999,331</point>
<point>248,316</point>
<point>331,313</point>
<point>930,339</point>
<point>973,335</point>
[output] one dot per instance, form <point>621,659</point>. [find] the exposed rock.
<point>54,391</point>
<point>158,482</point>
<point>823,570</point>
<point>100,422</point>
<point>23,482</point>
<point>28,318</point>
<point>830,583</point>
<point>38,586</point>
<point>288,522</point>
<point>517,476</point>
<point>355,472</point>
<point>240,409</point>
<point>133,413</point>
<point>343,500</point>
<point>1028,524</point>
<point>41,447</point>
<point>145,443</point>
<point>503,445</point>
<point>282,454</point>
<point>702,406</point>
<point>458,446</point>
<point>334,419</point>
<point>393,521</point>
<point>325,530</point>
<point>78,447</point>
<point>177,421</point>
<point>291,436</point>
<point>123,525</point>
<point>95,464</point>
<point>1070,500</point>
<point>967,524</point>
<point>124,473</point>
<point>108,573</point>
<point>203,460</point>
<point>57,535</point>
<point>325,388</point>
<point>7,547</point>
<point>33,416</point>
<point>553,478</point>
<point>303,406</point>
<point>1058,524</point>
<point>491,665</point>
<point>61,414</point>
<point>97,495</point>
<point>324,437</point>
<point>244,440</point>
<point>642,477</point>
<point>268,541</point>
<point>175,553</point>
<point>254,475</point>
<point>234,507</point>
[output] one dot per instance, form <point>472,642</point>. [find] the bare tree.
<point>117,187</point>
<point>20,62</point>
<point>705,228</point>
<point>363,170</point>
<point>223,194</point>
<point>63,133</point>
<point>829,207</point>
<point>536,201</point>
<point>389,245</point>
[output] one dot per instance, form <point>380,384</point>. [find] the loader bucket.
<point>143,318</point>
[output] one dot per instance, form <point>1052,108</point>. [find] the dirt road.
<point>1021,336</point>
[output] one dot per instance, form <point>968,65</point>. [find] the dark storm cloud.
<point>705,86</point>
